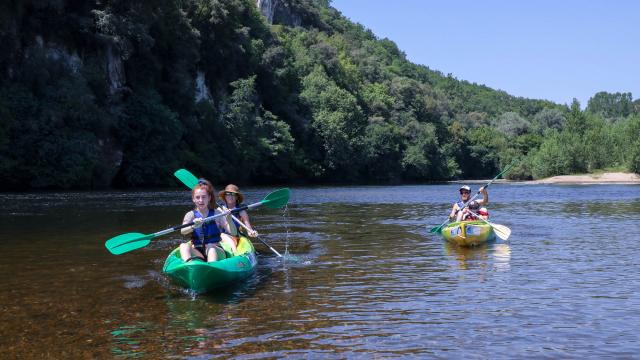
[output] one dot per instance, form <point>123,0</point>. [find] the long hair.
<point>208,187</point>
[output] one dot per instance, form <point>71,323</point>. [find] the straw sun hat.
<point>232,189</point>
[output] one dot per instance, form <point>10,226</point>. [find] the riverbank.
<point>604,178</point>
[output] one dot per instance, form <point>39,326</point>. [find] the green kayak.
<point>201,276</point>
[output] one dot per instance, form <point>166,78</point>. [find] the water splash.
<point>287,256</point>
<point>285,217</point>
<point>133,282</point>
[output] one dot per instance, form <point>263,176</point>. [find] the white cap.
<point>465,187</point>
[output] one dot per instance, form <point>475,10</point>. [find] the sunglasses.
<point>465,192</point>
<point>229,193</point>
<point>202,182</point>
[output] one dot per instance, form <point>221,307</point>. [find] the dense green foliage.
<point>105,93</point>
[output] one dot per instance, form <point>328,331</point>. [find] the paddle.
<point>191,180</point>
<point>131,241</point>
<point>186,177</point>
<point>257,237</point>
<point>436,229</point>
<point>501,231</point>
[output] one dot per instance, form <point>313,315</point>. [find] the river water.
<point>362,278</point>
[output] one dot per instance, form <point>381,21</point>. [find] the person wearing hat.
<point>232,198</point>
<point>465,194</point>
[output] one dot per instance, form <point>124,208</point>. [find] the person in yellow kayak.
<point>232,198</point>
<point>473,211</point>
<point>205,238</point>
<point>465,194</point>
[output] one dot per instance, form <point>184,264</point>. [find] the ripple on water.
<point>367,280</point>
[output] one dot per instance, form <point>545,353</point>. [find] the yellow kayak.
<point>468,233</point>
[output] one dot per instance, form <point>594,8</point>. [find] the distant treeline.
<point>120,93</point>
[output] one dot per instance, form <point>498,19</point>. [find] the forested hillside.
<point>120,93</point>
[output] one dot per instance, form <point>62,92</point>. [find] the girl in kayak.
<point>483,213</point>
<point>473,211</point>
<point>205,237</point>
<point>465,193</point>
<point>232,198</point>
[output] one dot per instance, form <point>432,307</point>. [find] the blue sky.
<point>554,50</point>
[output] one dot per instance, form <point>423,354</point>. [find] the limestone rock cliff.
<point>283,12</point>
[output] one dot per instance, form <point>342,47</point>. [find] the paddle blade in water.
<point>277,199</point>
<point>186,177</point>
<point>435,229</point>
<point>501,231</point>
<point>127,242</point>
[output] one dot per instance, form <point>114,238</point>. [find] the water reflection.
<point>496,256</point>
<point>127,339</point>
<point>501,257</point>
<point>369,280</point>
<point>467,257</point>
<point>190,322</point>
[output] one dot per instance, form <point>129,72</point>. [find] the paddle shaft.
<point>141,237</point>
<point>178,227</point>
<point>501,231</point>
<point>257,237</point>
<point>438,228</point>
<point>486,186</point>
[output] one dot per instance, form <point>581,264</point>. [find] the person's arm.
<point>454,211</point>
<point>244,217</point>
<point>223,223</point>
<point>189,217</point>
<point>485,196</point>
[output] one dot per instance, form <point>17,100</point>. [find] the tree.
<point>512,124</point>
<point>337,121</point>
<point>548,118</point>
<point>383,145</point>
<point>269,156</point>
<point>551,159</point>
<point>149,133</point>
<point>614,105</point>
<point>420,159</point>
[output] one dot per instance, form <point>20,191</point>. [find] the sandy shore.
<point>605,178</point>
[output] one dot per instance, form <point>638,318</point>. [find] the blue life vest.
<point>209,231</point>
<point>460,204</point>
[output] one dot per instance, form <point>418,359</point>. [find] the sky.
<point>554,50</point>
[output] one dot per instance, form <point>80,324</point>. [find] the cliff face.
<point>291,13</point>
<point>267,9</point>
<point>286,14</point>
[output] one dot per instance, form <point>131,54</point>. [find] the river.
<point>361,278</point>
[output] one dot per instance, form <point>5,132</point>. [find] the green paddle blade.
<point>127,242</point>
<point>186,177</point>
<point>436,229</point>
<point>277,199</point>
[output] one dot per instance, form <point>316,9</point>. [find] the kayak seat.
<point>244,246</point>
<point>195,258</point>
